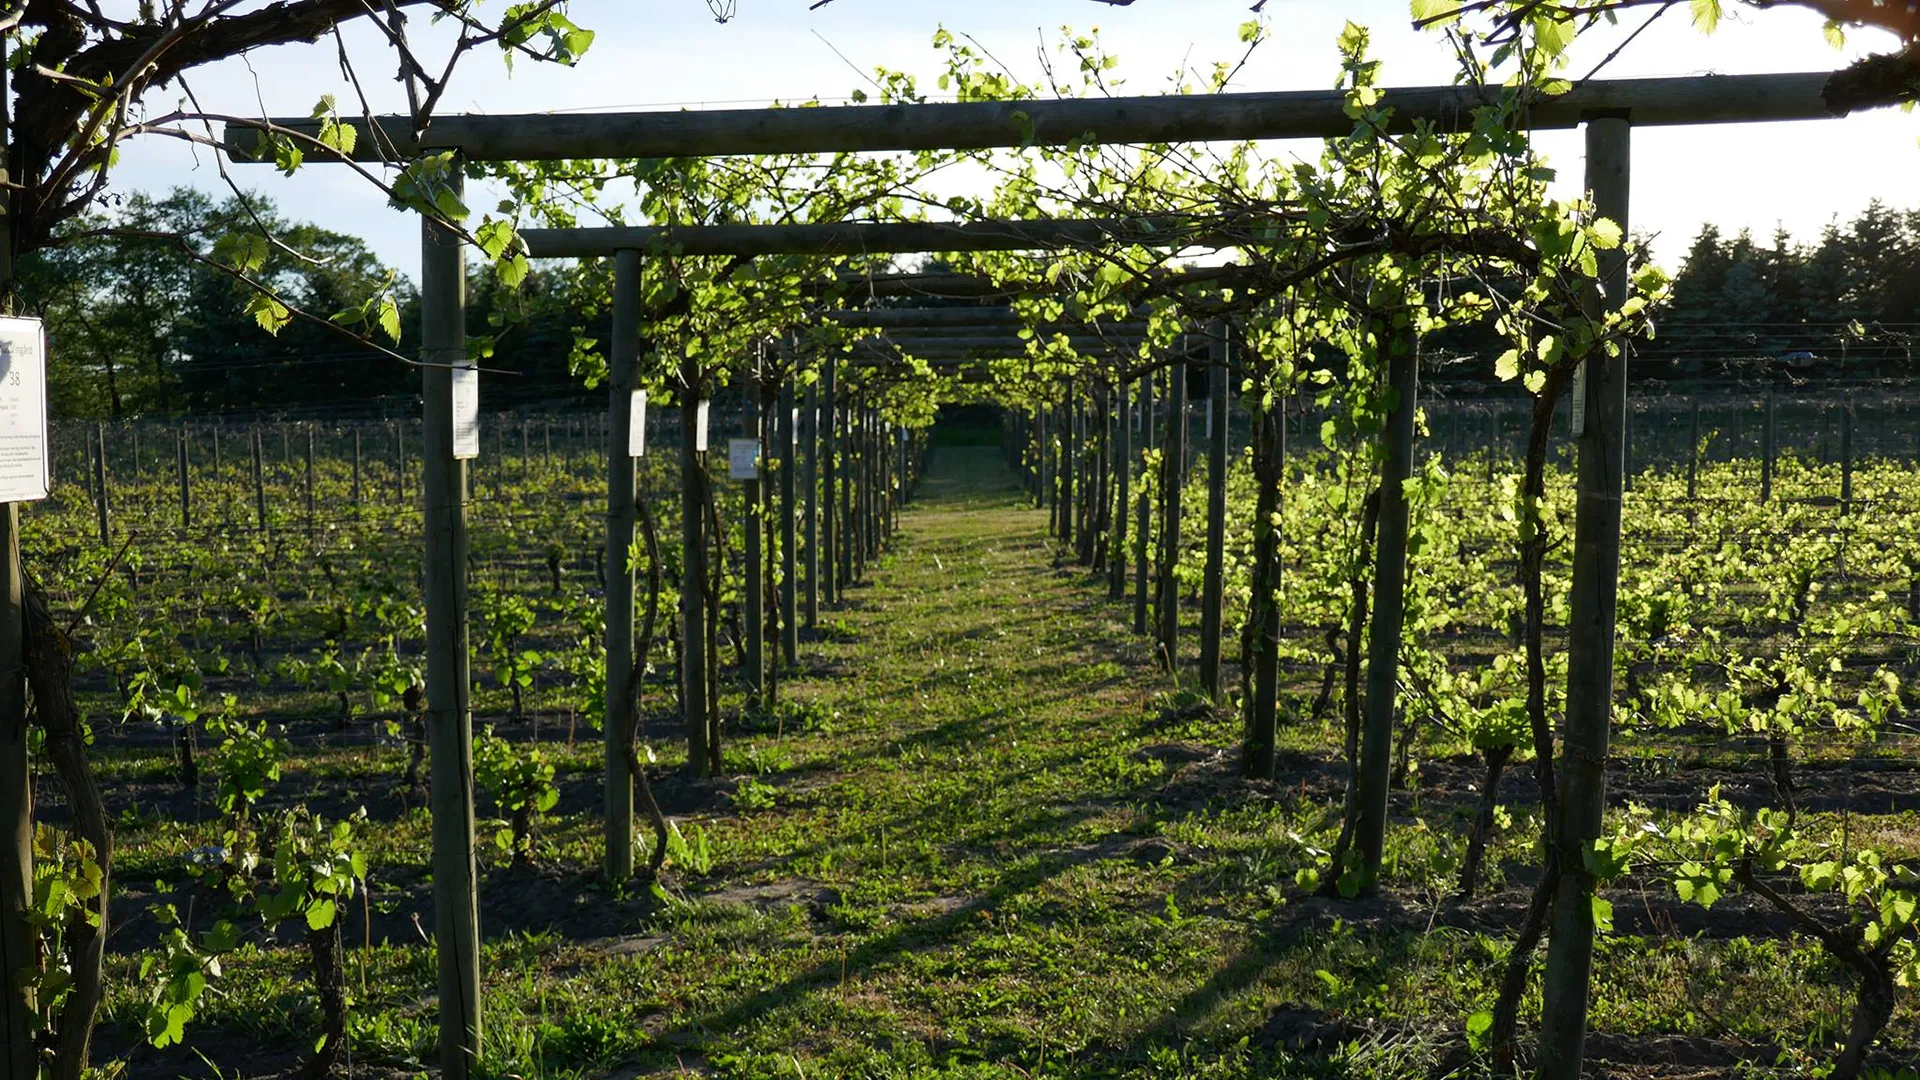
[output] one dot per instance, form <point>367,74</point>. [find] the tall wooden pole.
<point>186,491</point>
<point>754,603</point>
<point>1143,519</point>
<point>1213,587</point>
<point>1389,603</point>
<point>1766,449</point>
<point>456,912</point>
<point>1122,489</point>
<point>693,573</point>
<point>622,380</point>
<point>789,625</point>
<point>1172,472</point>
<point>100,484</point>
<point>811,422</point>
<point>1582,768</point>
<point>830,535</point>
<point>19,945</point>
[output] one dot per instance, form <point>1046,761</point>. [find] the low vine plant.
<point>519,779</point>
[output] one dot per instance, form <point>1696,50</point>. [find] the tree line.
<point>144,318</point>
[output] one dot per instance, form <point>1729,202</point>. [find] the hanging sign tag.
<point>24,474</point>
<point>637,426</point>
<point>1580,399</point>
<point>466,412</point>
<point>700,429</point>
<point>743,459</point>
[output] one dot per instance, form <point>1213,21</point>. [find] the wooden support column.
<point>259,480</point>
<point>100,499</point>
<point>812,442</point>
<point>1693,454</point>
<point>186,488</point>
<point>622,510</point>
<point>19,944</point>
<point>1846,459</point>
<point>693,573</point>
<point>1766,449</point>
<point>753,602</point>
<point>1263,704</point>
<point>356,467</point>
<point>789,625</point>
<point>1143,515</point>
<point>1582,768</point>
<point>1214,586</point>
<point>829,439</point>
<point>1172,473</point>
<point>456,913</point>
<point>1122,492</point>
<point>1389,597</point>
<point>310,481</point>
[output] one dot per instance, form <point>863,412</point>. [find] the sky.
<point>667,54</point>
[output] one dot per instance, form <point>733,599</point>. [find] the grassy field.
<point>981,836</point>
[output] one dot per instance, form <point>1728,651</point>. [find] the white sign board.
<point>637,426</point>
<point>743,459</point>
<point>466,412</point>
<point>23,410</point>
<point>700,429</point>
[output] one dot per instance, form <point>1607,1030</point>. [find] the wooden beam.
<point>1170,118</point>
<point>867,237</point>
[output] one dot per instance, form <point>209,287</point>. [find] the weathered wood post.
<point>449,715</point>
<point>693,574</point>
<point>1167,605</point>
<point>829,438</point>
<point>310,522</point>
<point>100,482</point>
<point>1122,492</point>
<point>1693,454</point>
<point>1143,514</point>
<point>1582,767</point>
<point>356,466</point>
<point>622,404</point>
<point>849,446</point>
<point>1766,448</point>
<point>186,490</point>
<point>787,420</point>
<point>259,463</point>
<point>1846,458</point>
<point>754,604</point>
<point>1263,706</point>
<point>1214,586</point>
<point>1375,773</point>
<point>812,443</point>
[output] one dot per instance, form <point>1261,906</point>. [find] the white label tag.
<point>24,473</point>
<point>700,429</point>
<point>637,426</point>
<point>466,413</point>
<point>743,459</point>
<point>1580,399</point>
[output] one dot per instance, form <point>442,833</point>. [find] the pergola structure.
<point>1608,109</point>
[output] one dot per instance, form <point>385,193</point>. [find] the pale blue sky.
<point>670,53</point>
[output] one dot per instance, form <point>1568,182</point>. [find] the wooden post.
<point>1582,767</point>
<point>456,914</point>
<point>1069,467</point>
<point>789,625</point>
<point>1167,606</point>
<point>19,944</point>
<point>622,381</point>
<point>849,475</point>
<point>1693,455</point>
<point>1143,516</point>
<point>754,604</point>
<point>399,464</point>
<point>259,482</point>
<point>100,483</point>
<point>186,493</point>
<point>1263,706</point>
<point>1846,458</point>
<point>1213,588</point>
<point>356,466</point>
<point>1122,493</point>
<point>693,573</point>
<point>1766,449</point>
<point>1375,773</point>
<point>829,437</point>
<point>812,443</point>
<point>309,479</point>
